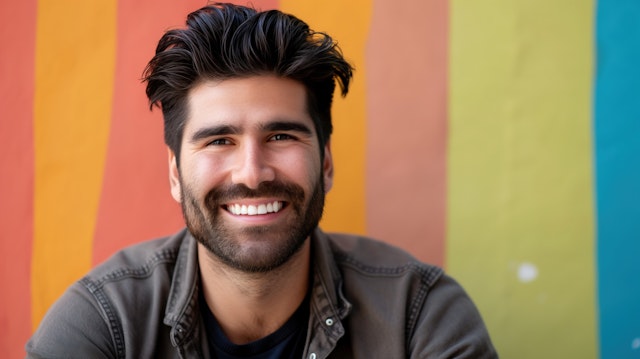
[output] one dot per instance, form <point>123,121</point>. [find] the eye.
<point>219,142</point>
<point>281,137</point>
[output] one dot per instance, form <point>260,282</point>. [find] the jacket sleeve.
<point>74,327</point>
<point>450,326</point>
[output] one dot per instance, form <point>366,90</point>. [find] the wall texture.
<point>499,139</point>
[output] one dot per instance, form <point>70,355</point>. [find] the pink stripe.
<point>18,23</point>
<point>407,125</point>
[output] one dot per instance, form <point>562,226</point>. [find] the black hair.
<point>223,41</point>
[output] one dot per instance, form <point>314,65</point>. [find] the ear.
<point>327,167</point>
<point>174,177</point>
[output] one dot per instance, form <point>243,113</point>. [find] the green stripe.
<point>520,172</point>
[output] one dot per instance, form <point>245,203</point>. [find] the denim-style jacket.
<point>368,300</point>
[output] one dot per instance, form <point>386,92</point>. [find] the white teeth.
<point>253,210</point>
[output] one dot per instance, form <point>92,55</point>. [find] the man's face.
<point>251,181</point>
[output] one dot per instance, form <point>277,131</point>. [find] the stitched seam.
<point>95,287</point>
<point>142,271</point>
<point>181,261</point>
<point>430,272</point>
<point>428,276</point>
<point>114,323</point>
<point>188,321</point>
<point>417,304</point>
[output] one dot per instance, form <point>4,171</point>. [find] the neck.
<point>250,306</point>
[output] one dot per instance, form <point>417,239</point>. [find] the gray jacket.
<point>369,300</point>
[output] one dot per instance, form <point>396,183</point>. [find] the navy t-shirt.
<point>286,342</point>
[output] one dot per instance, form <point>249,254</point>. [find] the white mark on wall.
<point>635,344</point>
<point>527,272</point>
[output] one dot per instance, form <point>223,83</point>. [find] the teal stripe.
<point>617,153</point>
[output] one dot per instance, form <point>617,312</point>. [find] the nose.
<point>252,166</point>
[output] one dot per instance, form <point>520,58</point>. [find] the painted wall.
<point>499,139</point>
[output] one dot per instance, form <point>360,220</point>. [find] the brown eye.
<point>219,142</point>
<point>281,137</point>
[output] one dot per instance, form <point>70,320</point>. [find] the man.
<point>246,99</point>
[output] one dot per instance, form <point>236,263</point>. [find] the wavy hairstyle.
<point>223,41</point>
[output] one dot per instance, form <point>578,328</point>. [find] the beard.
<point>260,248</point>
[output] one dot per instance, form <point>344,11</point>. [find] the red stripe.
<point>407,125</point>
<point>262,4</point>
<point>135,202</point>
<point>17,25</point>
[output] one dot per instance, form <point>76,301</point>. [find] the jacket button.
<point>329,322</point>
<point>312,356</point>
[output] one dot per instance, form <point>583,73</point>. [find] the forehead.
<point>246,101</point>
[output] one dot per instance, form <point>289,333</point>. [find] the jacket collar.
<point>328,283</point>
<point>182,303</point>
<point>328,304</point>
<point>329,307</point>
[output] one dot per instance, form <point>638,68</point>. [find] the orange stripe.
<point>348,23</point>
<point>407,125</point>
<point>16,183</point>
<point>75,43</point>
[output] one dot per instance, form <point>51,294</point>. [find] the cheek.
<point>302,168</point>
<point>202,173</point>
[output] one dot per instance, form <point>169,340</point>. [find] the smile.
<point>254,210</point>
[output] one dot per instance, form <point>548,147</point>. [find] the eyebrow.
<point>214,131</point>
<point>287,126</point>
<point>223,130</point>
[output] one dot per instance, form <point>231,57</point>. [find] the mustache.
<point>289,192</point>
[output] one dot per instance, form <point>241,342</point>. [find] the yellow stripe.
<point>75,61</point>
<point>348,23</point>
<point>520,187</point>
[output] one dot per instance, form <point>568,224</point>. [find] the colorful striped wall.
<point>499,139</point>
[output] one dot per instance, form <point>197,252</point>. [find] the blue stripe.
<point>617,152</point>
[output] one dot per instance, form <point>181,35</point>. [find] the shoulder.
<point>381,277</point>
<point>101,312</point>
<point>408,304</point>
<point>374,257</point>
<point>138,260</point>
